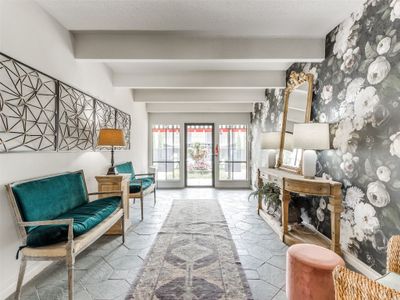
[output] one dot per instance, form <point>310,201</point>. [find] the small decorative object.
<point>271,141</point>
<point>310,137</point>
<point>111,137</point>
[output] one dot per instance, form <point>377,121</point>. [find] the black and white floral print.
<point>357,91</point>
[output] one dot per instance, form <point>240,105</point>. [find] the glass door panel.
<point>233,152</point>
<point>199,154</point>
<point>166,151</point>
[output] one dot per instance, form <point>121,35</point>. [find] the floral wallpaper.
<point>357,91</point>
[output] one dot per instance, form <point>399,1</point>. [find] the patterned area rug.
<point>193,257</point>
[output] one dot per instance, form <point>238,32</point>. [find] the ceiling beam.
<point>142,45</point>
<point>201,79</point>
<point>199,95</point>
<point>199,107</point>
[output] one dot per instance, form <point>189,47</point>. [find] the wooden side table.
<point>295,183</point>
<point>112,183</point>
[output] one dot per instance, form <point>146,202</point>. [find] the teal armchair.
<point>140,184</point>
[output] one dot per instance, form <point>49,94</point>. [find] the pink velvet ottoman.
<point>309,272</point>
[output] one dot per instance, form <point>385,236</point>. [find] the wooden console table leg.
<point>335,207</point>
<point>285,212</point>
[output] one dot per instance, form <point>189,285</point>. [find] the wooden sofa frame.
<point>64,250</point>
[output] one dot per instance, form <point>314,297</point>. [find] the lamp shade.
<point>311,136</point>
<point>270,140</point>
<point>111,137</point>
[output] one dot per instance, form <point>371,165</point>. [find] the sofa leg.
<point>70,267</point>
<point>123,229</point>
<point>155,199</point>
<point>20,278</point>
<point>141,206</point>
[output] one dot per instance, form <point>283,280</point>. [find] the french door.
<point>199,155</point>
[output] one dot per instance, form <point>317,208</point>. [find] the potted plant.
<point>270,193</point>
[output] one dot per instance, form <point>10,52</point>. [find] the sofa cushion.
<point>134,186</point>
<point>390,280</point>
<point>126,168</point>
<point>85,217</point>
<point>47,198</point>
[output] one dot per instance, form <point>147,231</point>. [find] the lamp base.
<point>112,171</point>
<point>271,158</point>
<point>309,164</point>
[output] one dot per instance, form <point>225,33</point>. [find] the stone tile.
<point>243,252</point>
<point>127,262</point>
<point>128,275</point>
<point>273,245</point>
<point>142,253</point>
<point>262,290</point>
<point>144,229</point>
<point>280,296</point>
<point>250,262</point>
<point>272,275</point>
<point>260,253</point>
<point>139,241</point>
<point>60,292</point>
<point>252,274</point>
<point>278,261</point>
<point>29,293</point>
<point>84,262</point>
<point>243,226</point>
<point>99,272</point>
<point>54,274</point>
<point>108,289</point>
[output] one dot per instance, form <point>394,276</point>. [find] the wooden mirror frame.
<point>294,81</point>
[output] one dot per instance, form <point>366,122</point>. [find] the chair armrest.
<point>68,222</point>
<point>393,254</point>
<point>105,193</point>
<point>350,285</point>
<point>146,174</point>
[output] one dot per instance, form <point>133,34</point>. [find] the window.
<point>166,151</point>
<point>233,152</point>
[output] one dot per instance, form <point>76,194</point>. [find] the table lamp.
<point>271,141</point>
<point>310,137</point>
<point>111,137</point>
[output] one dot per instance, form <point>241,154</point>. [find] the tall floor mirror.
<point>297,109</point>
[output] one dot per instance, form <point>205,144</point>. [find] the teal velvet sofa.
<point>57,220</point>
<point>140,184</point>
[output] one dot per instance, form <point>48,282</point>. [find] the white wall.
<point>28,34</point>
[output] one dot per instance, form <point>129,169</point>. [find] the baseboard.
<point>359,266</point>
<point>31,272</point>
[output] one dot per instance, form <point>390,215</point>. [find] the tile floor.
<point>107,269</point>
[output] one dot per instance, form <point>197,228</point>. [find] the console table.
<point>112,183</point>
<point>294,183</point>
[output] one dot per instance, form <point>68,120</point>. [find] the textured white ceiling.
<point>277,18</point>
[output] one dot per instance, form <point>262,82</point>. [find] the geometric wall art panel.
<point>40,113</point>
<point>76,119</point>
<point>105,118</point>
<point>124,122</point>
<point>27,108</point>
